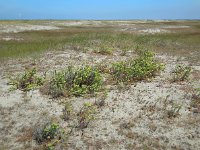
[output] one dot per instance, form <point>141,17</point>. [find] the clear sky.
<point>99,9</point>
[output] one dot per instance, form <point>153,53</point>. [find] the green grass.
<point>104,40</point>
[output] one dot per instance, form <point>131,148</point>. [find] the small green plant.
<point>27,81</point>
<point>68,109</point>
<point>49,135</point>
<point>86,114</point>
<point>49,132</point>
<point>77,82</point>
<point>143,67</point>
<point>181,73</point>
<point>46,133</point>
<point>174,110</point>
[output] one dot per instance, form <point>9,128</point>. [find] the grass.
<point>181,73</point>
<point>103,40</point>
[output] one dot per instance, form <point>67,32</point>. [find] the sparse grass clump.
<point>26,81</point>
<point>195,102</point>
<point>181,73</point>
<point>67,111</point>
<point>141,68</point>
<point>105,49</point>
<point>77,82</point>
<point>86,115</point>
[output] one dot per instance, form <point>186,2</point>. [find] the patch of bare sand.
<point>24,27</point>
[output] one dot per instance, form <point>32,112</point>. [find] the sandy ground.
<point>137,26</point>
<point>133,117</point>
<point>23,27</point>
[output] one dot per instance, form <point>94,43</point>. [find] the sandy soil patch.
<point>133,117</point>
<point>24,27</point>
<point>153,31</point>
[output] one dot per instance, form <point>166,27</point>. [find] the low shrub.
<point>27,81</point>
<point>46,133</point>
<point>49,135</point>
<point>77,82</point>
<point>141,68</point>
<point>181,73</point>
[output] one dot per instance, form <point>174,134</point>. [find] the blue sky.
<point>99,9</point>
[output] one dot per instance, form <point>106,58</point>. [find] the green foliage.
<point>46,133</point>
<point>49,132</point>
<point>143,67</point>
<point>181,73</point>
<point>86,114</point>
<point>27,81</point>
<point>49,135</point>
<point>57,84</point>
<point>85,80</point>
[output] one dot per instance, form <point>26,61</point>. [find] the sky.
<point>99,9</point>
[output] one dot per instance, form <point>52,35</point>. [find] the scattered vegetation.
<point>141,68</point>
<point>77,82</point>
<point>173,110</point>
<point>48,135</point>
<point>195,102</point>
<point>86,115</point>
<point>181,73</point>
<point>26,81</point>
<point>104,49</point>
<point>67,111</point>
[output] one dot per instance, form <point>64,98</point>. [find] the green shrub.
<point>27,81</point>
<point>49,135</point>
<point>57,84</point>
<point>143,67</point>
<point>181,73</point>
<point>46,133</point>
<point>49,132</point>
<point>77,82</point>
